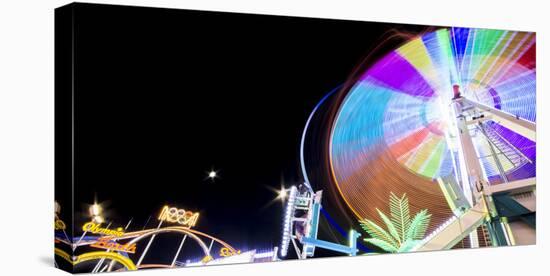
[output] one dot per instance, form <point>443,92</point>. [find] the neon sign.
<point>226,252</point>
<point>126,262</point>
<point>96,228</point>
<point>180,216</point>
<point>105,243</point>
<point>59,225</point>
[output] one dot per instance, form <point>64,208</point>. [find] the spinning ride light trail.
<point>393,131</point>
<point>330,220</point>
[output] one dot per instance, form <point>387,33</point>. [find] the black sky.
<point>163,96</point>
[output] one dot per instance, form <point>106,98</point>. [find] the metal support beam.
<point>514,187</point>
<point>456,230</point>
<point>497,233</point>
<point>511,209</point>
<point>352,251</point>
<point>491,204</point>
<point>312,229</point>
<point>473,180</point>
<point>521,126</point>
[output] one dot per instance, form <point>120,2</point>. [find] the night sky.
<point>164,96</point>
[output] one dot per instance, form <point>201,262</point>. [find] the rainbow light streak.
<point>392,133</point>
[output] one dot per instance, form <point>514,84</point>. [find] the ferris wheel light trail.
<point>393,131</point>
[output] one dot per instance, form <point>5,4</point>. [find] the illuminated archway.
<point>126,262</point>
<point>180,230</point>
<point>175,229</point>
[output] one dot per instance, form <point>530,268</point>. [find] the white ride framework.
<point>474,201</point>
<point>301,223</point>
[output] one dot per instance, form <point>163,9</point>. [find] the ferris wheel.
<point>449,118</point>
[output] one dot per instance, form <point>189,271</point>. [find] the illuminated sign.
<point>96,228</point>
<point>106,243</point>
<point>175,215</point>
<point>125,261</point>
<point>59,225</point>
<point>226,252</point>
<point>207,259</point>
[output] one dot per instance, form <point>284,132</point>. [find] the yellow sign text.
<point>108,244</point>
<point>175,215</point>
<point>59,225</point>
<point>96,228</point>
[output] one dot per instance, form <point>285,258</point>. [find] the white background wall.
<point>27,121</point>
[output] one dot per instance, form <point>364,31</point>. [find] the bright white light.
<point>98,219</point>
<point>264,255</point>
<point>287,223</point>
<point>212,174</point>
<point>95,210</point>
<point>282,193</point>
<point>57,208</point>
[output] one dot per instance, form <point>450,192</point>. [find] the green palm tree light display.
<point>402,233</point>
